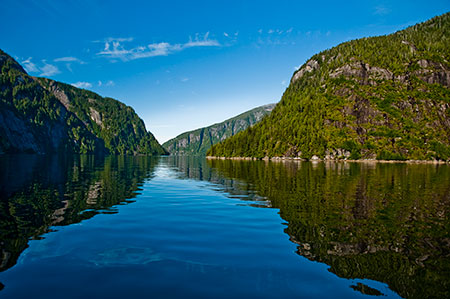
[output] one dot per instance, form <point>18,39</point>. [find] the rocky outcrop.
<point>310,66</point>
<point>433,73</point>
<point>59,93</point>
<point>16,135</point>
<point>429,71</point>
<point>363,71</point>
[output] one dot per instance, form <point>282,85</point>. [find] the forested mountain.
<point>383,97</point>
<point>199,141</point>
<point>39,115</point>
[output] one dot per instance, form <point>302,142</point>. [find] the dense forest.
<point>198,142</point>
<point>39,115</point>
<point>383,97</point>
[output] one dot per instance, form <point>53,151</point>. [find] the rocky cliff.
<point>39,115</point>
<point>198,142</point>
<point>385,97</point>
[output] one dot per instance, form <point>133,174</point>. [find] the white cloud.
<point>68,59</point>
<point>283,82</point>
<point>29,66</point>
<point>160,49</point>
<point>113,48</point>
<point>82,85</point>
<point>45,70</point>
<point>49,69</point>
<point>197,42</point>
<point>107,83</point>
<point>381,10</point>
<point>118,39</point>
<point>184,79</point>
<point>260,31</point>
<point>226,34</point>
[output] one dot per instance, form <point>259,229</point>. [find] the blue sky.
<point>187,64</point>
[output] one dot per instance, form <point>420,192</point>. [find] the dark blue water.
<point>163,228</point>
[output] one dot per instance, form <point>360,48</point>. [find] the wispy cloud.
<point>68,59</point>
<point>107,83</point>
<point>82,85</point>
<point>381,10</point>
<point>231,38</point>
<point>114,48</point>
<point>29,66</point>
<point>45,69</point>
<point>184,79</point>
<point>49,69</point>
<point>199,42</point>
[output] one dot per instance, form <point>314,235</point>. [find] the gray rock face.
<point>199,141</point>
<point>430,72</point>
<point>16,134</point>
<point>310,66</point>
<point>363,71</point>
<point>433,72</point>
<point>59,94</point>
<point>95,116</point>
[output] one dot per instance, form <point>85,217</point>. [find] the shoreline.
<point>294,159</point>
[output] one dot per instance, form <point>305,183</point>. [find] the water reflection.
<point>39,193</point>
<point>385,222</point>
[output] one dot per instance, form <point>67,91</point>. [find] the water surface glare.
<point>185,227</point>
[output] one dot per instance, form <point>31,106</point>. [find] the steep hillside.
<point>39,115</point>
<point>199,141</point>
<point>383,97</point>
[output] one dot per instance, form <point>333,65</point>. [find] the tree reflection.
<point>41,192</point>
<point>386,222</point>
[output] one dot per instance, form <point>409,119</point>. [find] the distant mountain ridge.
<point>198,142</point>
<point>385,97</point>
<point>39,115</point>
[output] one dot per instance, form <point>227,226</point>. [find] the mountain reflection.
<point>385,222</point>
<point>38,192</point>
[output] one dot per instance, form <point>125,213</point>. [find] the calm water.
<point>128,227</point>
